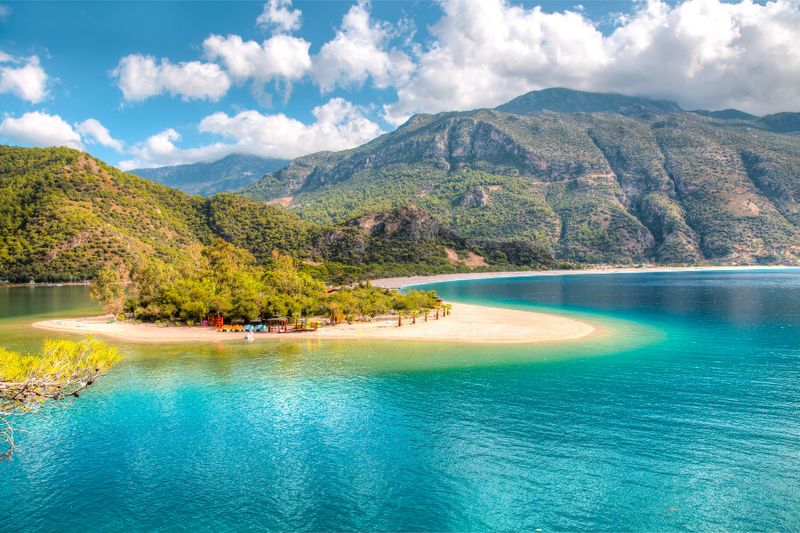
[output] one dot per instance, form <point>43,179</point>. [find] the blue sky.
<point>154,83</point>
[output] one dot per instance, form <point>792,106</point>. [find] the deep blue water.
<point>685,414</point>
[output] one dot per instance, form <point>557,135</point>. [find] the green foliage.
<point>108,287</point>
<point>365,302</point>
<point>64,215</point>
<point>223,279</point>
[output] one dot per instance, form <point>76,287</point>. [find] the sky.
<point>146,84</point>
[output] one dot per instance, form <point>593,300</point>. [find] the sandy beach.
<point>466,323</point>
<point>410,281</point>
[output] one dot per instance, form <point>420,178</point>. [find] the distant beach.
<point>467,323</point>
<point>410,281</point>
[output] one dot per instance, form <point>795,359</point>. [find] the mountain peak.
<point>231,173</point>
<point>562,100</point>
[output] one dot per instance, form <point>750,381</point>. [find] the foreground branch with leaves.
<point>63,369</point>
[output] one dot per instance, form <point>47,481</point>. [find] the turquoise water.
<point>683,414</point>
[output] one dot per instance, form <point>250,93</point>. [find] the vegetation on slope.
<point>64,214</point>
<point>646,182</point>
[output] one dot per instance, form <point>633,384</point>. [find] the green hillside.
<point>65,214</point>
<point>611,187</point>
<point>62,213</point>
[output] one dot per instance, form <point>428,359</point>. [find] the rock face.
<point>475,197</point>
<point>589,178</point>
<point>408,222</point>
<point>402,235</point>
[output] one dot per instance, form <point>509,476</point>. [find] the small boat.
<point>249,336</point>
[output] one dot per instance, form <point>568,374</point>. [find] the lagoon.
<point>684,414</point>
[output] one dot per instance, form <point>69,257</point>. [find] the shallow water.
<point>683,414</point>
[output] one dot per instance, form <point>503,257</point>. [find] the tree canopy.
<point>226,280</point>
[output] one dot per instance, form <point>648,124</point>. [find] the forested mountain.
<point>65,214</point>
<point>231,173</point>
<point>640,181</point>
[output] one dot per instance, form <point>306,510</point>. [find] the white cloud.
<point>279,57</point>
<point>5,11</point>
<point>93,131</point>
<point>28,81</point>
<point>279,16</point>
<point>160,150</point>
<point>707,53</point>
<point>338,125</point>
<point>358,52</point>
<point>701,53</point>
<point>40,129</point>
<point>141,77</point>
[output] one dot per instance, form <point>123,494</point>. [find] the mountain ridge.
<point>228,174</point>
<point>673,186</point>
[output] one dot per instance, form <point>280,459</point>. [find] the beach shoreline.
<point>466,324</point>
<point>412,281</point>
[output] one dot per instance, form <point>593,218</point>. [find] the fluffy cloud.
<point>338,125</point>
<point>28,81</point>
<point>93,131</point>
<point>358,51</point>
<point>702,53</point>
<point>40,129</point>
<point>707,53</point>
<point>5,11</point>
<point>160,150</point>
<point>280,57</point>
<point>141,77</point>
<point>279,16</point>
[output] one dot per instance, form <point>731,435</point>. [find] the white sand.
<point>466,323</point>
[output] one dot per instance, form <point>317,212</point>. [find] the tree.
<point>61,370</point>
<point>108,287</point>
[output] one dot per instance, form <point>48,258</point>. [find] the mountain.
<point>781,122</point>
<point>641,181</point>
<point>726,114</point>
<point>559,100</point>
<point>64,214</point>
<point>231,173</point>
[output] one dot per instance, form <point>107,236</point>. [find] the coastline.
<point>411,281</point>
<point>467,324</point>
